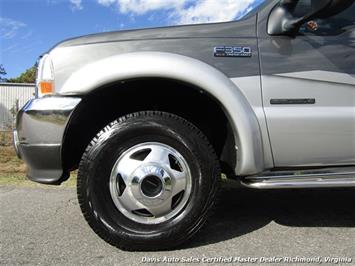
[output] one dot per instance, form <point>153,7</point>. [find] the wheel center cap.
<point>151,186</point>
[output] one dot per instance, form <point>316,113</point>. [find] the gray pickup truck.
<point>152,117</point>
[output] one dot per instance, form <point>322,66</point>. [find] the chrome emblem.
<point>232,51</point>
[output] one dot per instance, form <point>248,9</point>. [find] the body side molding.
<point>172,66</point>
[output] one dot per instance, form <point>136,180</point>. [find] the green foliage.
<point>29,76</point>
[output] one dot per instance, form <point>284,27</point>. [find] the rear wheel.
<point>148,181</point>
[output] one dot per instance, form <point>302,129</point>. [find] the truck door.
<point>308,85</point>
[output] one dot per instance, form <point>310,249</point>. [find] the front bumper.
<point>38,137</point>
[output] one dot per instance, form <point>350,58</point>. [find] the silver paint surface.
<point>154,64</point>
<point>314,67</point>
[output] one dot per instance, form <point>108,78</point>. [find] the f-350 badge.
<point>232,51</point>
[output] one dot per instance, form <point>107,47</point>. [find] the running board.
<point>322,178</point>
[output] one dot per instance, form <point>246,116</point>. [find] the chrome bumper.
<point>40,127</point>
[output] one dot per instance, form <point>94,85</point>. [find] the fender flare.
<point>244,123</point>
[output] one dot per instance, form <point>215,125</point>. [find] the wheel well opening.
<point>103,105</point>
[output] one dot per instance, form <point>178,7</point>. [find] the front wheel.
<point>148,181</point>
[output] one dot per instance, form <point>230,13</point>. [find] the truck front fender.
<point>181,68</point>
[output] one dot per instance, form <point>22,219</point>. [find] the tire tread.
<point>88,158</point>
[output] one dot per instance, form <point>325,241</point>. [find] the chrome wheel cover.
<point>150,183</point>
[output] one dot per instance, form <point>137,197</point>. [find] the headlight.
<point>45,76</point>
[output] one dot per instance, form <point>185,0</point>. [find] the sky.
<point>28,28</point>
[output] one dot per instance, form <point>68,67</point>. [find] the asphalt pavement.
<point>45,227</point>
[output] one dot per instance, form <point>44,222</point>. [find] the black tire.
<point>99,158</point>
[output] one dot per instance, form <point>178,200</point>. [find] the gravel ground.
<point>45,227</point>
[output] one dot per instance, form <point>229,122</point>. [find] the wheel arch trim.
<point>240,114</point>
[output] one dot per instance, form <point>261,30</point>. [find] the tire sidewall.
<point>107,220</point>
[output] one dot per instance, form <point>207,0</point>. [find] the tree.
<point>2,73</point>
<point>29,76</point>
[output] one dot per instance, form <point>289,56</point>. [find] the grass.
<point>22,180</point>
<point>13,170</point>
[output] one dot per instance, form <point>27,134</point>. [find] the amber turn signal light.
<point>46,87</point>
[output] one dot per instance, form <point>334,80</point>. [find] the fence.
<point>12,97</point>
